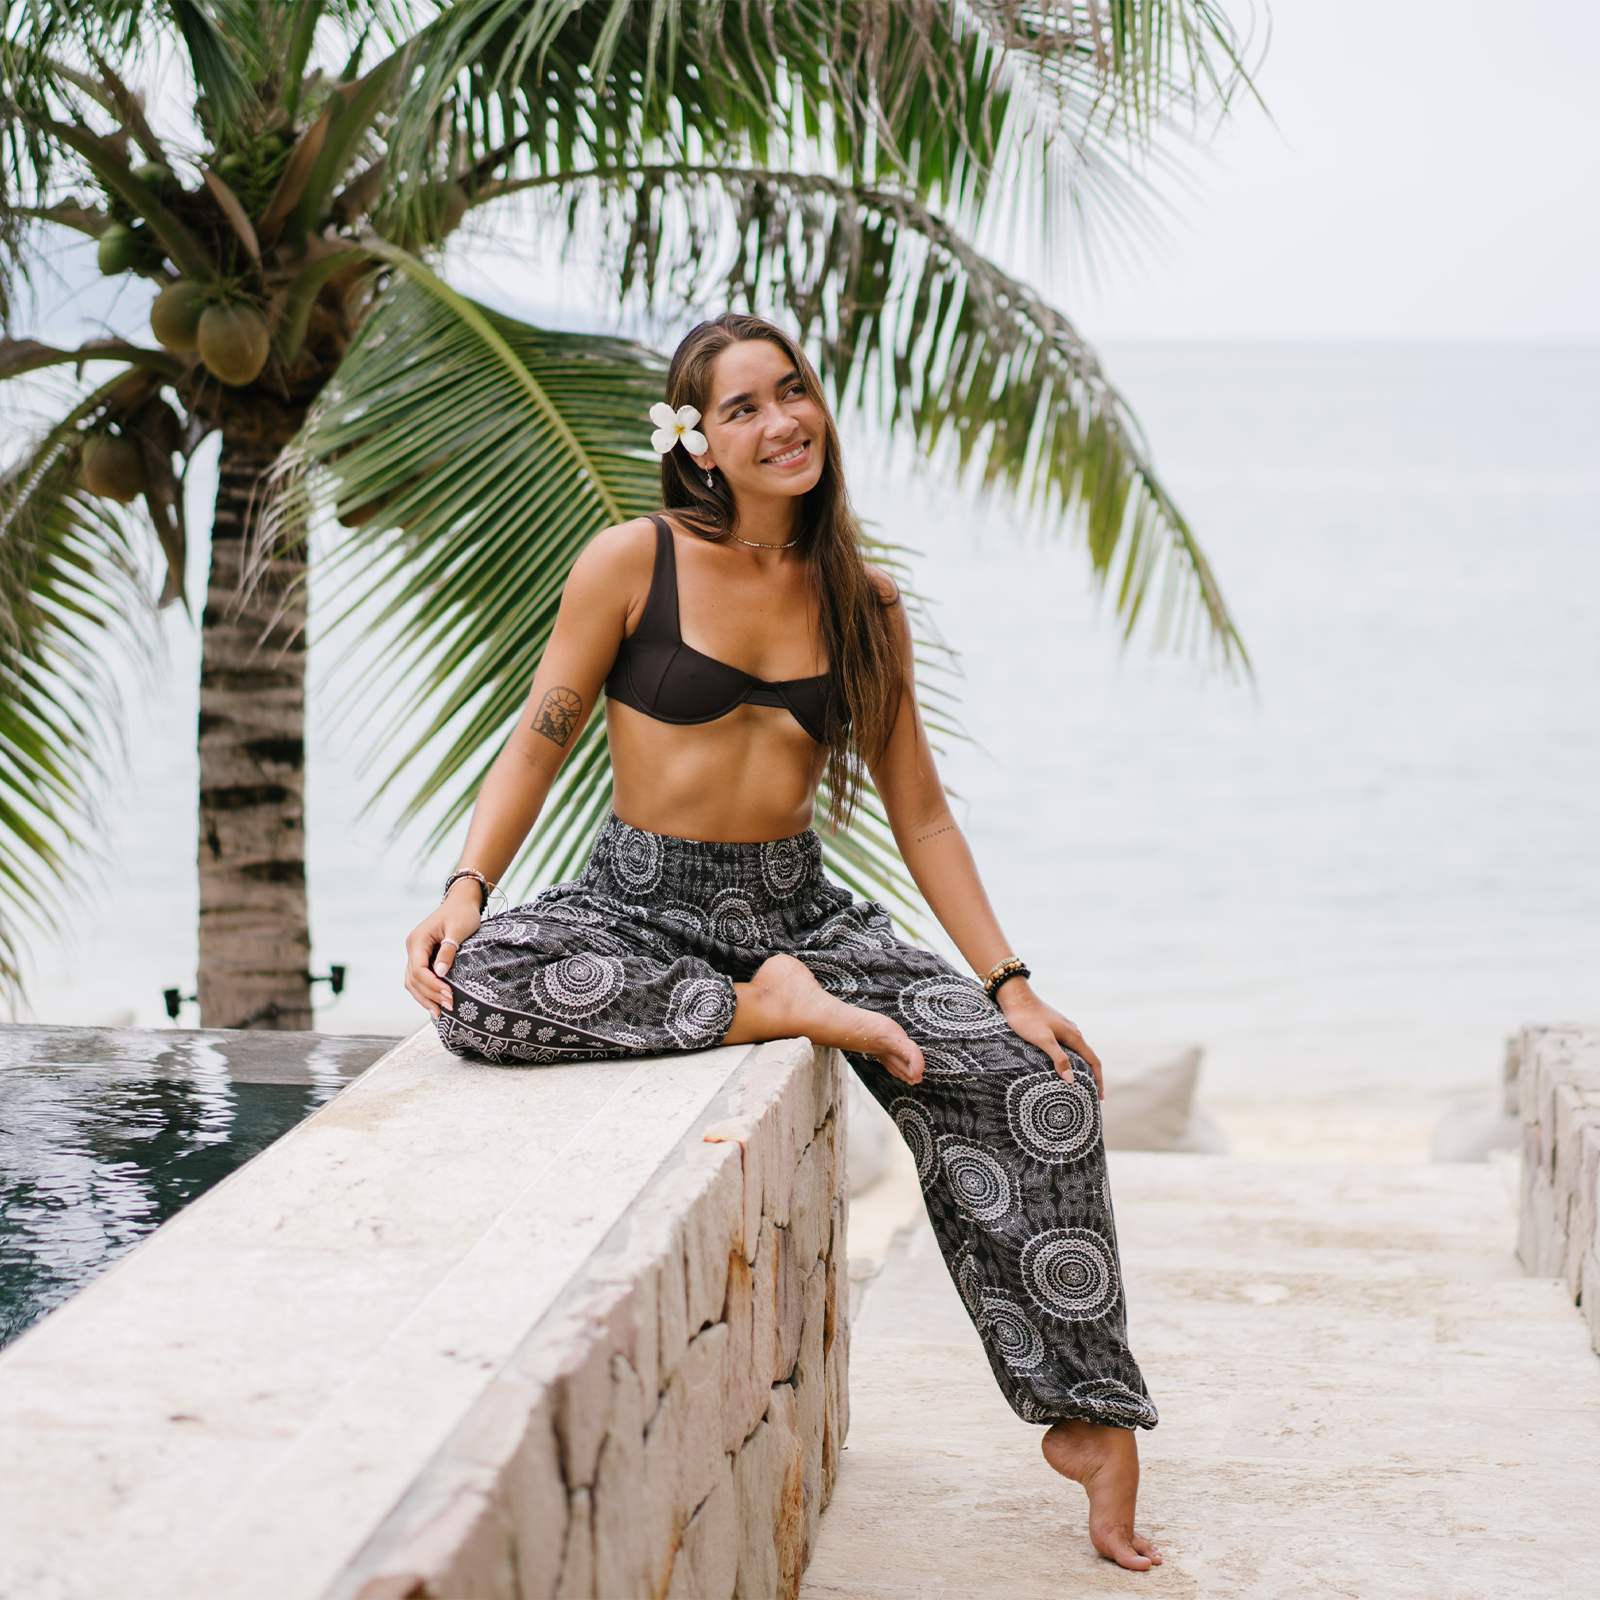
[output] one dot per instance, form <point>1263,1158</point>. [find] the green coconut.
<point>162,179</point>
<point>233,342</point>
<point>118,251</point>
<point>175,315</point>
<point>444,205</point>
<point>113,468</point>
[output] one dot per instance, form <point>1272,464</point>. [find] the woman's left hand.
<point>1043,1025</point>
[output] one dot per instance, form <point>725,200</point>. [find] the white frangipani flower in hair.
<point>671,426</point>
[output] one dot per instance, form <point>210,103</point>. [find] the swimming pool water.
<point>105,1133</point>
<point>92,1162</point>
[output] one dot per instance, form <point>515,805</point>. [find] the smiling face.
<point>764,432</point>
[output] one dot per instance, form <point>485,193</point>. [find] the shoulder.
<point>888,591</point>
<point>619,549</point>
<point>616,560</point>
<point>894,613</point>
<point>611,577</point>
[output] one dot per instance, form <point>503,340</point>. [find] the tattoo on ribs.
<point>949,827</point>
<point>558,715</point>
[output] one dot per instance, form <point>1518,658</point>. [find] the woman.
<point>746,652</point>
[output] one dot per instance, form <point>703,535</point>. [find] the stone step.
<point>1361,1395</point>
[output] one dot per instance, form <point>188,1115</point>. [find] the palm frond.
<point>1121,65</point>
<point>53,67</point>
<point>68,582</point>
<point>19,356</point>
<point>218,60</point>
<point>932,97</point>
<point>478,456</point>
<point>611,80</point>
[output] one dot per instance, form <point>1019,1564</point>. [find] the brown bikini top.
<point>660,675</point>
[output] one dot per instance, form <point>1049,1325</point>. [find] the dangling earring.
<point>709,483</point>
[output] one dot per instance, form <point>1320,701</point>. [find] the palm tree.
<point>832,162</point>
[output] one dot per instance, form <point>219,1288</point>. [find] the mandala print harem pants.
<point>639,956</point>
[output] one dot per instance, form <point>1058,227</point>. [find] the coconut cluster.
<point>229,335</point>
<point>239,260</point>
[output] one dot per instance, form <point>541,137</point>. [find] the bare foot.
<point>1106,1462</point>
<point>784,1001</point>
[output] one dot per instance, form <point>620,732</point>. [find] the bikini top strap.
<point>659,624</point>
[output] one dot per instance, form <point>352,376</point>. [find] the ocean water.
<point>1360,868</point>
<point>1369,865</point>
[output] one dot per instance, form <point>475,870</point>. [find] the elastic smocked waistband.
<point>640,863</point>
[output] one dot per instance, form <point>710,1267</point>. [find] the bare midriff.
<point>745,778</point>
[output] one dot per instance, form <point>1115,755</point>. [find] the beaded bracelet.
<point>485,888</point>
<point>1003,972</point>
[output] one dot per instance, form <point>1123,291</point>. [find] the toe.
<point>1145,1548</point>
<point>1125,1547</point>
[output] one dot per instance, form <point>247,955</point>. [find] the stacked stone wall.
<point>672,1427</point>
<point>1558,1079</point>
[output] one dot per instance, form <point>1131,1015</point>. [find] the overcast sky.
<point>1431,170</point>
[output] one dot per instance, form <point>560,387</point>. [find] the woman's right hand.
<point>431,949</point>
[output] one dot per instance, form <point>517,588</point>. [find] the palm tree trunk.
<point>255,939</point>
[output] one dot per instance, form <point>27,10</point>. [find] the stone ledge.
<point>468,1331</point>
<point>1558,1082</point>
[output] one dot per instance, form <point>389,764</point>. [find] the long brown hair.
<point>858,627</point>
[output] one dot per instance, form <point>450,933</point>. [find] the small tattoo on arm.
<point>558,715</point>
<point>949,827</point>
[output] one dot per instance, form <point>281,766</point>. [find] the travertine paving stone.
<point>1361,1395</point>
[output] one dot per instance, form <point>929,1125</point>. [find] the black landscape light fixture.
<point>176,999</point>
